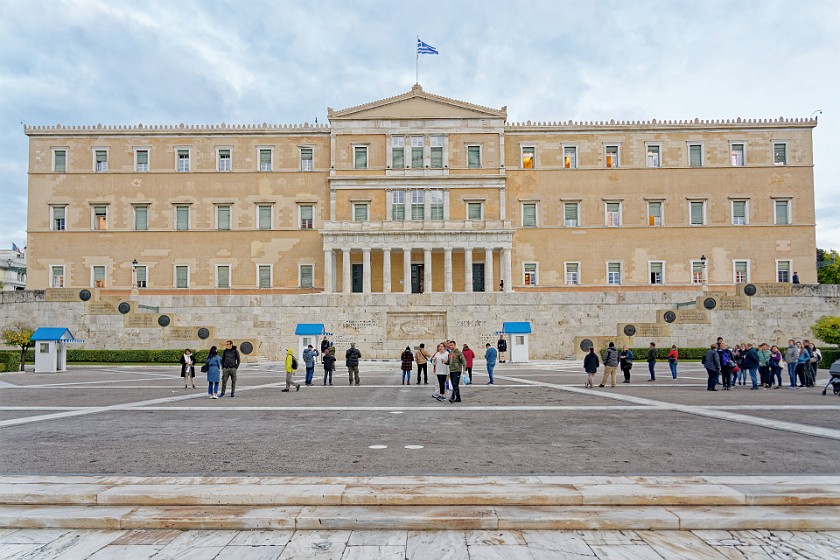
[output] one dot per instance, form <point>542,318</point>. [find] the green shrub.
<point>10,360</point>
<point>640,354</point>
<point>2,368</point>
<point>126,356</point>
<point>830,355</point>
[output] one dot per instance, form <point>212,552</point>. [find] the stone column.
<point>468,280</point>
<point>506,264</point>
<point>407,270</point>
<point>366,270</point>
<point>386,271</point>
<point>447,270</point>
<point>427,270</point>
<point>488,270</point>
<point>328,271</point>
<point>345,271</point>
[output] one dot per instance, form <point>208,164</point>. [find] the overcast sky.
<point>83,62</point>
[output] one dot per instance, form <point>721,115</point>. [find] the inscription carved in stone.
<point>403,325</point>
<point>140,321</point>
<point>652,330</point>
<point>181,333</point>
<point>61,294</point>
<point>100,308</point>
<point>733,303</point>
<point>692,316</point>
<point>773,290</point>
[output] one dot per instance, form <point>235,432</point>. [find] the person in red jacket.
<point>469,356</point>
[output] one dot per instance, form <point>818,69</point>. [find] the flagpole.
<point>417,62</point>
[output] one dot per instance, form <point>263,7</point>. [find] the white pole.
<point>417,62</point>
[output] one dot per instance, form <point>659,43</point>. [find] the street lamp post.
<point>133,275</point>
<point>705,277</point>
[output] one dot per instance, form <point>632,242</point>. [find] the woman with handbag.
<point>188,368</point>
<point>213,368</point>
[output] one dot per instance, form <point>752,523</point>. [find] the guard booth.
<point>309,333</point>
<point>517,335</point>
<point>51,349</point>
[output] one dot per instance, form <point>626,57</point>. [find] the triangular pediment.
<point>417,104</point>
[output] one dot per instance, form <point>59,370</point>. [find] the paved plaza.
<point>536,419</point>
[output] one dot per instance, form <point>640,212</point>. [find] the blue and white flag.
<point>16,249</point>
<point>423,48</point>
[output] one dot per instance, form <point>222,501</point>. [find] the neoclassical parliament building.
<point>421,193</point>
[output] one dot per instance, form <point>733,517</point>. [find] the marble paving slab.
<point>214,517</point>
<point>468,495</point>
<point>216,494</point>
<point>797,518</point>
<point>658,494</point>
<point>71,517</point>
<point>316,545</point>
<point>586,517</point>
<point>126,551</point>
<point>252,553</point>
<point>13,493</point>
<point>440,545</point>
<point>680,544</point>
<point>378,538</point>
<point>790,494</point>
<point>396,517</point>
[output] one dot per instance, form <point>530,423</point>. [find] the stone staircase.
<point>799,502</point>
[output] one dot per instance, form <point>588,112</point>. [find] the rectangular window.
<point>739,212</point>
<point>653,159</point>
<point>570,157</point>
<point>736,155</point>
<point>307,216</point>
<point>264,276</point>
<point>183,157</point>
<point>697,211</point>
<point>307,159</point>
<point>572,273</point>
<point>360,157</point>
<point>742,272</point>
<point>474,157</point>
<point>264,215</point>
<point>436,155</point>
<point>223,217</point>
<point>698,272</point>
<point>571,214</point>
<point>182,276</point>
<point>398,206</point>
<point>60,161</point>
<point>59,216</point>
<point>695,155</point>
<point>436,206</point>
<point>418,207</point>
<point>56,277</point>
<point>474,211</point>
<point>612,154</point>
<point>224,159</point>
<point>783,271</point>
<point>417,152</point>
<point>223,276</point>
<point>141,276</point>
<point>101,159</point>
<point>265,159</point>
<point>655,213</point>
<point>141,218</point>
<point>782,212</point>
<point>657,273</point>
<point>780,153</point>
<point>141,161</point>
<point>529,157</point>
<point>100,218</point>
<point>98,276</point>
<point>529,214</point>
<point>307,276</point>
<point>182,218</point>
<point>530,274</point>
<point>398,152</point>
<point>613,214</point>
<point>360,212</point>
<point>614,273</point>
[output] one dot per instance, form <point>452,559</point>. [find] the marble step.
<point>800,518</point>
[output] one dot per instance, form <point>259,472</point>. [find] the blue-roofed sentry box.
<point>517,334</point>
<point>51,348</point>
<point>309,333</point>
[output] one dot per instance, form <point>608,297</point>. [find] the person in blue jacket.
<point>214,372</point>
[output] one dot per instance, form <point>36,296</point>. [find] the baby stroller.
<point>835,378</point>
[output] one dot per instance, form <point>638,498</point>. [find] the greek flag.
<point>423,48</point>
<point>16,249</point>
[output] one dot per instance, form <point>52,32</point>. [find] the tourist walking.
<point>469,356</point>
<point>625,359</point>
<point>791,357</point>
<point>591,363</point>
<point>775,363</point>
<point>352,357</point>
<point>490,356</point>
<point>328,358</point>
<point>290,371</point>
<point>673,359</point>
<point>407,365</point>
<point>422,358</point>
<point>188,368</point>
<point>440,369</point>
<point>309,355</point>
<point>610,364</point>
<point>651,360</point>
<point>711,361</point>
<point>214,372</point>
<point>501,345</point>
<point>750,363</point>
<point>764,365</point>
<point>230,365</point>
<point>456,366</point>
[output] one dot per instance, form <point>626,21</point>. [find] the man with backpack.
<point>352,357</point>
<point>610,364</point>
<point>291,367</point>
<point>230,364</point>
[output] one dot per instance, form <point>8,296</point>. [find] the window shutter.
<point>306,280</point>
<point>695,153</point>
<point>571,212</point>
<point>182,221</point>
<point>473,157</point>
<point>360,154</point>
<point>224,217</point>
<point>141,218</point>
<point>782,212</point>
<point>696,213</point>
<point>181,274</point>
<point>265,276</point>
<point>529,215</point>
<point>61,161</point>
<point>223,276</point>
<point>142,157</point>
<point>265,217</point>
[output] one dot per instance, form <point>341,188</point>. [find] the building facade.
<point>12,270</point>
<point>420,193</point>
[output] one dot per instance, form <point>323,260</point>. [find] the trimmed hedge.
<point>830,355</point>
<point>137,356</point>
<point>10,360</point>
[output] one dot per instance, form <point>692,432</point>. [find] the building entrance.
<point>417,286</point>
<point>358,275</point>
<point>478,277</point>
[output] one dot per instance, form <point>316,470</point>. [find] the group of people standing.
<point>615,359</point>
<point>219,369</point>
<point>729,366</point>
